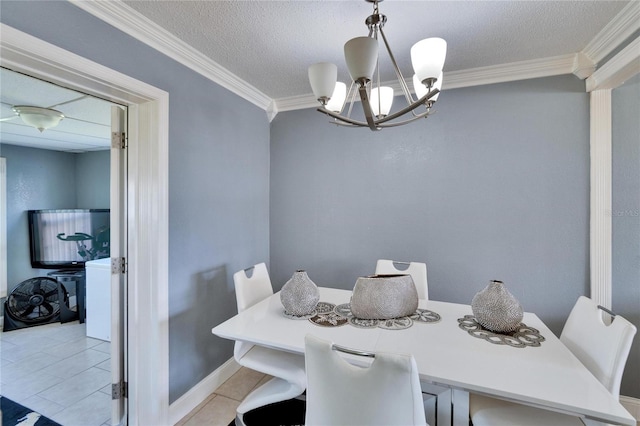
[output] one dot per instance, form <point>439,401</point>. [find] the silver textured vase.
<point>496,309</point>
<point>384,297</point>
<point>299,295</point>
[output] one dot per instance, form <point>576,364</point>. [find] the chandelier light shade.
<point>336,103</point>
<point>40,118</point>
<point>322,77</point>
<point>361,57</point>
<point>381,101</point>
<point>427,58</point>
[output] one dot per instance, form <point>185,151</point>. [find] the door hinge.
<point>118,140</point>
<point>118,265</point>
<point>119,390</point>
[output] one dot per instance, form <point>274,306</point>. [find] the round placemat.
<point>343,309</point>
<point>325,307</point>
<point>299,317</point>
<point>363,323</point>
<point>524,336</point>
<point>425,315</point>
<point>396,323</point>
<point>329,319</point>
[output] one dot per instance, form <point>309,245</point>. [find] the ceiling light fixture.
<point>40,118</point>
<point>361,55</point>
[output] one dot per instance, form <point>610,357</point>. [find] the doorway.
<point>146,215</point>
<point>55,362</point>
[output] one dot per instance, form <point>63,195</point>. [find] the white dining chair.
<point>289,377</point>
<point>437,399</point>
<point>386,392</point>
<point>602,348</point>
<point>417,270</point>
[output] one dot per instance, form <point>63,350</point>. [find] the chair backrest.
<point>249,291</point>
<point>417,270</point>
<point>338,393</point>
<point>602,348</point>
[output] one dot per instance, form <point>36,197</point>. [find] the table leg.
<point>444,408</point>
<point>443,403</point>
<point>460,400</point>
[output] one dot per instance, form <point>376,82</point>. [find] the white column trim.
<point>147,193</point>
<point>600,226</point>
<point>3,227</point>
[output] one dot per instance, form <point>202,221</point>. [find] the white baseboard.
<point>632,405</point>
<point>197,394</point>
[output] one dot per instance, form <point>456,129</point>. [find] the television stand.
<point>68,276</point>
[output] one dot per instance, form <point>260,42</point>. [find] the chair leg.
<point>275,390</point>
<point>240,420</point>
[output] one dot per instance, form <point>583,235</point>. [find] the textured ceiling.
<point>270,44</point>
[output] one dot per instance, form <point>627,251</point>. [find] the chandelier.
<point>361,56</point>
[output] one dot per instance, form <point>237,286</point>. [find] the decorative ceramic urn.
<point>384,297</point>
<point>299,295</point>
<point>496,309</point>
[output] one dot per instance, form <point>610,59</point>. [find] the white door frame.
<point>147,207</point>
<point>3,230</point>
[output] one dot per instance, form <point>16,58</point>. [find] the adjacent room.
<point>56,358</point>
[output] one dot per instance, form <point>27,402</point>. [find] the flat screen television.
<point>66,239</point>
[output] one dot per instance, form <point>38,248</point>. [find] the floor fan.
<point>34,302</point>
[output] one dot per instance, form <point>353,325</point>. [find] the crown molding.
<point>131,22</point>
<point>616,32</point>
<point>514,71</point>
<point>581,64</point>
<point>618,69</point>
<point>523,70</point>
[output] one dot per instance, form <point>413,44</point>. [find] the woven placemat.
<point>330,315</point>
<point>523,337</point>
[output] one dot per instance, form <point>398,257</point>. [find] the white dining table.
<point>548,376</point>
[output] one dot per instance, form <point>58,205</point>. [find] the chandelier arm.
<point>381,122</point>
<point>366,106</point>
<point>416,114</point>
<point>399,76</point>
<point>411,107</point>
<point>400,123</point>
<point>354,123</point>
<point>351,96</point>
<point>340,120</point>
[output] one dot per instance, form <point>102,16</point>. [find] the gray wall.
<point>495,185</point>
<point>92,179</point>
<point>218,179</point>
<point>43,179</point>
<point>626,219</point>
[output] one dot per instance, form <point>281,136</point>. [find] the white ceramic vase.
<point>496,309</point>
<point>299,295</point>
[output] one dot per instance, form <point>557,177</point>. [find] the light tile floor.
<point>57,371</point>
<point>219,409</point>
